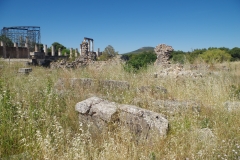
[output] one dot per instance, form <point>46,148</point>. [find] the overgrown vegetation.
<point>108,53</point>
<point>37,122</point>
<point>139,61</point>
<point>210,55</point>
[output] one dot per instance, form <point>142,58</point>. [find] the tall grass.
<point>38,123</point>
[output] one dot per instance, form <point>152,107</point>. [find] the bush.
<point>178,57</point>
<point>235,53</point>
<point>141,60</point>
<point>215,55</point>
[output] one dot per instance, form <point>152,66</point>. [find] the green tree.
<point>235,53</point>
<point>57,45</point>
<point>67,51</point>
<point>141,60</point>
<point>109,52</point>
<point>178,56</point>
<point>215,55</point>
<point>7,41</point>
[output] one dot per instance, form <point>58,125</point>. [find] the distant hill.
<point>141,50</point>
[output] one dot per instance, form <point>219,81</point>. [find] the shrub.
<point>215,55</point>
<point>141,60</point>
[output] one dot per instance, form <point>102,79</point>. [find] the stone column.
<point>88,45</point>
<point>17,51</point>
<point>92,46</point>
<point>71,54</point>
<point>59,52</point>
<point>26,45</point>
<point>53,51</point>
<point>80,50</point>
<point>36,48</point>
<point>76,53</point>
<point>4,49</point>
<point>45,50</point>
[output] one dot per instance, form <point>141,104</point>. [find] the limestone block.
<point>25,70</point>
<point>231,106</point>
<point>113,84</point>
<point>100,113</point>
<point>174,106</point>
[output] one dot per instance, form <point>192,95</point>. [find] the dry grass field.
<point>36,122</point>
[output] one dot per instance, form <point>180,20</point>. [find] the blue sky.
<point>129,24</point>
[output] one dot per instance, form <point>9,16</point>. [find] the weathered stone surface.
<point>62,83</point>
<point>25,70</point>
<point>163,52</point>
<point>173,106</point>
<point>157,89</point>
<point>100,113</point>
<point>178,71</point>
<point>232,106</point>
<point>205,135</point>
<point>112,84</point>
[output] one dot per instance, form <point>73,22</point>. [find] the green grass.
<point>37,122</point>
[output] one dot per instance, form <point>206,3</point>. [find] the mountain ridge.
<point>140,50</point>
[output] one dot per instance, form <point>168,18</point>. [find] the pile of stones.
<point>163,52</point>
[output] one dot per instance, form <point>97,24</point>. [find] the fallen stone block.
<point>63,83</point>
<point>100,113</point>
<point>112,84</point>
<point>24,70</point>
<point>231,106</point>
<point>173,106</point>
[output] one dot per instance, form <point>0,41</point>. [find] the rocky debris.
<point>174,106</point>
<point>163,52</point>
<point>80,61</point>
<point>177,71</point>
<point>232,106</point>
<point>205,135</point>
<point>157,89</point>
<point>63,83</point>
<point>112,84</point>
<point>100,113</point>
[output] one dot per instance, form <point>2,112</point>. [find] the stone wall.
<point>14,52</point>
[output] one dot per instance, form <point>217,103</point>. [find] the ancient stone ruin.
<point>163,52</point>
<point>87,56</point>
<point>100,113</point>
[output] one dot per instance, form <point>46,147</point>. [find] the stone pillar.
<point>45,50</point>
<point>17,51</point>
<point>59,52</point>
<point>36,48</point>
<point>4,49</point>
<point>88,45</point>
<point>76,53</point>
<point>92,46</point>
<point>80,50</point>
<point>53,51</point>
<point>71,54</point>
<point>26,43</point>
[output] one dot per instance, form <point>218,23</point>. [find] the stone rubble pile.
<point>177,71</point>
<point>163,52</point>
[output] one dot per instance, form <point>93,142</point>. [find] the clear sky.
<point>128,25</point>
